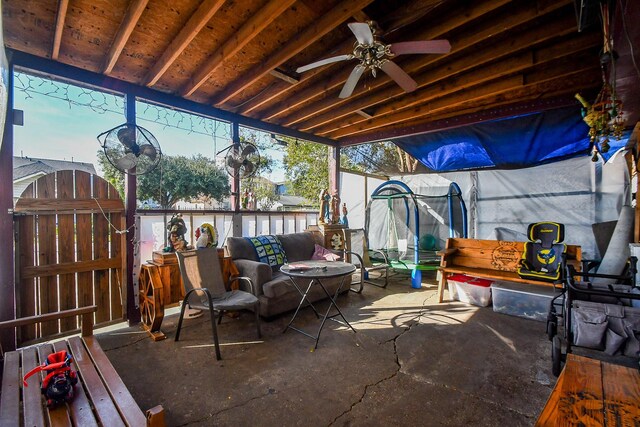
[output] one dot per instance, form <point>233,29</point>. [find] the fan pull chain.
<point>118,231</point>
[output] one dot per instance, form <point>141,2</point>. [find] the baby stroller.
<point>595,311</point>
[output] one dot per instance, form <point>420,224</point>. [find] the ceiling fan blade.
<point>399,76</point>
<point>247,151</point>
<point>362,31</point>
<point>127,162</point>
<point>323,62</point>
<point>352,81</point>
<point>425,46</point>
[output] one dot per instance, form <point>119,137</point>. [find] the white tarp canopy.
<point>502,203</point>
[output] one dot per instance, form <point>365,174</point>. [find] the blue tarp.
<point>512,143</point>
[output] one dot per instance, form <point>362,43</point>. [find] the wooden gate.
<point>67,253</point>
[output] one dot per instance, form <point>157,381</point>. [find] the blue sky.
<point>57,129</point>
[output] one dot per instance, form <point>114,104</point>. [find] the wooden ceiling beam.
<point>467,117</point>
<point>131,17</point>
<point>196,22</point>
<point>512,89</point>
<point>503,23</point>
<point>279,90</point>
<point>239,39</point>
<point>457,18</point>
<point>319,28</point>
<point>412,13</point>
<point>61,15</point>
<point>482,60</point>
<point>522,65</point>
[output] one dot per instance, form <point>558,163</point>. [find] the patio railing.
<point>152,232</point>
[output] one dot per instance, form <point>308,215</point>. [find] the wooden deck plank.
<point>59,415</point>
<point>79,407</point>
<point>10,402</point>
<point>621,389</point>
<point>32,404</point>
<point>127,406</point>
<point>581,402</point>
<point>105,409</point>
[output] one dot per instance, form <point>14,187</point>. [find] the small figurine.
<point>344,221</point>
<point>207,236</point>
<point>177,229</point>
<point>335,208</point>
<point>251,201</point>
<point>323,214</point>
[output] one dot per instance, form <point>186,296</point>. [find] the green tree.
<point>380,157</point>
<point>307,167</point>
<point>176,178</point>
<point>111,174</point>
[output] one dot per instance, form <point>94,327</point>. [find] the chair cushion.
<point>298,246</point>
<point>322,253</point>
<point>278,286</point>
<point>268,250</point>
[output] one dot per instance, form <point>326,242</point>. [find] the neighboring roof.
<point>28,166</point>
<point>288,200</point>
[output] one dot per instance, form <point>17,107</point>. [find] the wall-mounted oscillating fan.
<point>374,55</point>
<point>131,149</point>
<point>242,159</point>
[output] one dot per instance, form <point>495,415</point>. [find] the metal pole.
<point>132,314</point>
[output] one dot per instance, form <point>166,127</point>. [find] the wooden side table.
<point>160,286</point>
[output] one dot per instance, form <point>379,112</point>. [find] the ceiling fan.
<point>374,54</point>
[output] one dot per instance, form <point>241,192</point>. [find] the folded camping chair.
<point>543,253</point>
<point>360,258</point>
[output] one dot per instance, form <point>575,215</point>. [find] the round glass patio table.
<point>314,272</point>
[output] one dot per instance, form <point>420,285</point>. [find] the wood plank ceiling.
<point>241,55</point>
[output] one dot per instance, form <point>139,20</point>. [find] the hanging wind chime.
<point>605,116</point>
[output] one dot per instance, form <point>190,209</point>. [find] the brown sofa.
<point>273,288</point>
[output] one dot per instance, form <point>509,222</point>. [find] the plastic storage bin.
<point>471,290</point>
<point>522,299</point>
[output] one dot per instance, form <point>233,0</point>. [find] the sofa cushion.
<point>322,253</point>
<point>278,286</point>
<point>298,246</point>
<point>268,250</point>
<point>240,248</point>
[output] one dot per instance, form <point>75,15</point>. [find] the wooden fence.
<point>68,253</point>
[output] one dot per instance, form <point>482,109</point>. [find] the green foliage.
<point>307,167</point>
<point>263,189</point>
<point>176,178</point>
<point>380,157</point>
<point>111,174</point>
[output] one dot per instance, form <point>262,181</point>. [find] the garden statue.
<point>335,208</point>
<point>323,215</point>
<point>344,221</point>
<point>207,236</point>
<point>245,200</point>
<point>177,230</point>
<point>251,205</point>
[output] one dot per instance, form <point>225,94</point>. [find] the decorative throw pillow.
<point>322,253</point>
<point>269,250</point>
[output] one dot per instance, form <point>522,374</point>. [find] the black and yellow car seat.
<point>542,256</point>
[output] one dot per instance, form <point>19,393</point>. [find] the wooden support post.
<point>7,278</point>
<point>132,315</point>
<point>334,169</point>
<point>235,180</point>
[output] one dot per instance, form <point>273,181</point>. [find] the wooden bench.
<point>489,259</point>
<point>100,396</point>
<point>593,393</point>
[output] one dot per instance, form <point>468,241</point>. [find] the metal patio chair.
<point>205,290</point>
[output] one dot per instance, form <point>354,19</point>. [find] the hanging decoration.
<point>605,116</point>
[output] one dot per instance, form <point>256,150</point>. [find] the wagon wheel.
<point>151,301</point>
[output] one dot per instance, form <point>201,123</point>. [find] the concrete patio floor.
<point>411,362</point>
